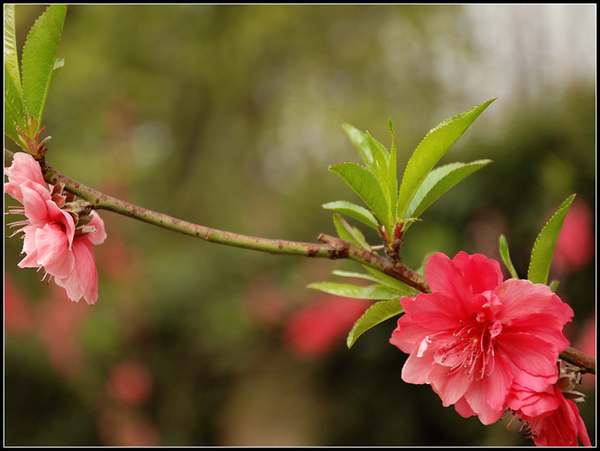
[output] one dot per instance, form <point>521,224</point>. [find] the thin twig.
<point>333,248</point>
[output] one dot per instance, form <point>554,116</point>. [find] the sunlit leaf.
<point>428,153</point>
<point>365,184</point>
<point>39,58</point>
<point>11,59</point>
<point>506,257</point>
<point>373,153</point>
<point>376,314</point>
<point>438,181</point>
<point>545,243</point>
<point>354,211</point>
<point>349,290</point>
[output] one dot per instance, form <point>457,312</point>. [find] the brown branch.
<point>579,359</point>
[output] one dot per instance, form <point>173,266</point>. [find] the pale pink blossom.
<point>474,336</point>
<point>55,239</point>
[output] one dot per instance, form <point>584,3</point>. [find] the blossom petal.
<point>435,311</point>
<point>529,354</point>
<point>86,269</point>
<point>451,386</point>
<point>482,273</point>
<point>99,235</point>
<point>445,278</point>
<point>522,297</point>
<point>23,168</point>
<point>477,399</point>
<point>544,326</point>
<point>416,369</point>
<point>34,202</point>
<point>53,251</point>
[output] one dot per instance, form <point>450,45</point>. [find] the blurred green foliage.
<point>229,116</point>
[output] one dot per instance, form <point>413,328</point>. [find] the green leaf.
<point>365,184</point>
<point>14,110</point>
<point>39,58</point>
<point>506,257</point>
<point>428,153</point>
<point>401,288</point>
<point>354,211</point>
<point>349,290</point>
<point>347,233</point>
<point>438,181</point>
<point>380,162</point>
<point>373,153</point>
<point>545,243</point>
<point>376,314</point>
<point>11,59</point>
<point>357,275</point>
<point>392,176</point>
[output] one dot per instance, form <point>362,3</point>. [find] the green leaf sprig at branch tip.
<point>26,90</point>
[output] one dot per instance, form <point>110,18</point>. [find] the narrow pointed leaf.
<point>373,154</point>
<point>506,257</point>
<point>435,144</point>
<point>356,275</point>
<point>392,172</point>
<point>347,233</point>
<point>382,171</point>
<point>365,184</point>
<point>402,288</point>
<point>349,290</point>
<point>376,314</point>
<point>14,110</point>
<point>11,59</point>
<point>39,58</point>
<point>545,243</point>
<point>438,181</point>
<point>354,211</point>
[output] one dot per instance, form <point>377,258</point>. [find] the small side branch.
<point>579,359</point>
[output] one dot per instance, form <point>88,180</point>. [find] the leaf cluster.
<point>26,86</point>
<point>390,208</point>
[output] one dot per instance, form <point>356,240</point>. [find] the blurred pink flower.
<point>18,316</point>
<point>587,343</point>
<point>130,382</point>
<point>575,247</point>
<point>475,336</point>
<point>58,325</point>
<point>316,330</point>
<point>55,238</point>
<point>559,426</point>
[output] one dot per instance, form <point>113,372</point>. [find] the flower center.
<point>472,349</point>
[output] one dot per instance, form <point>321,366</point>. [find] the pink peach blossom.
<point>558,427</point>
<point>53,240</point>
<point>474,336</point>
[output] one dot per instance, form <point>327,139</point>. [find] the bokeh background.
<point>229,116</point>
